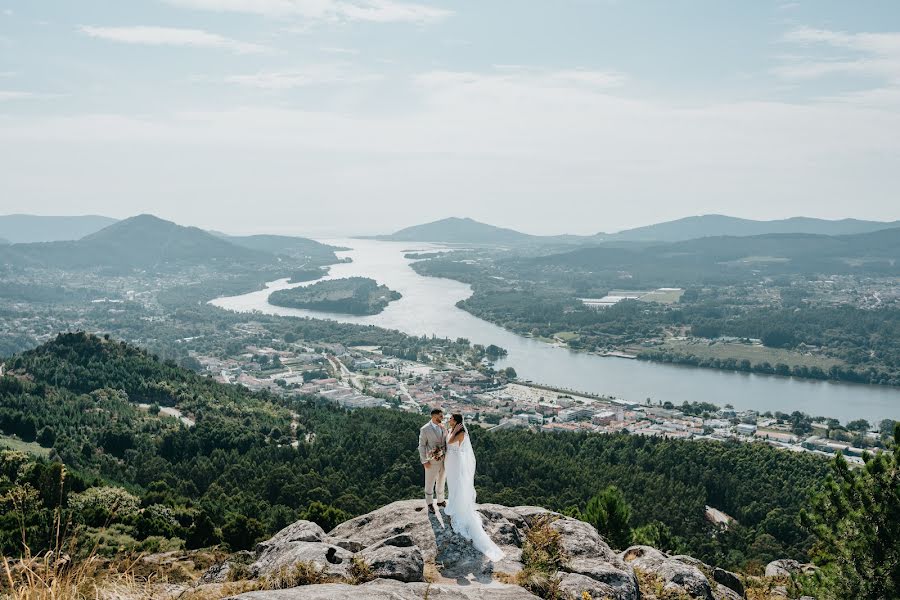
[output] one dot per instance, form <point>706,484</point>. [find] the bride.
<point>460,466</point>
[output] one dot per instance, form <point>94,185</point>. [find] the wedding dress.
<point>464,519</point>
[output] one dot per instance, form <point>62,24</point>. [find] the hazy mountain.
<point>468,231</point>
<point>718,225</point>
<point>296,247</point>
<point>460,231</point>
<point>708,258</point>
<point>143,241</point>
<point>19,229</point>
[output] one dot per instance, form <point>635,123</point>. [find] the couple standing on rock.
<point>449,460</point>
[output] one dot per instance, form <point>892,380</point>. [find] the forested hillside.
<point>235,476</point>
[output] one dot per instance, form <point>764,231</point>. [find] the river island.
<point>352,296</point>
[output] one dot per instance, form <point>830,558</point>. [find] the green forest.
<point>234,477</point>
<point>541,303</point>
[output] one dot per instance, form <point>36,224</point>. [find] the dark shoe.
<point>442,504</point>
<point>431,509</point>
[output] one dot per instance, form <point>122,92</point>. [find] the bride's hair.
<point>458,418</point>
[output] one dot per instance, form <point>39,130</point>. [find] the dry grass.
<point>432,573</point>
<point>360,571</point>
<point>542,557</point>
<point>653,588</point>
<point>302,573</point>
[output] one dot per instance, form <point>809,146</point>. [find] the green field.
<point>755,354</point>
<point>11,443</point>
<point>566,336</point>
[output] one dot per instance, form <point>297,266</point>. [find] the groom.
<point>432,448</point>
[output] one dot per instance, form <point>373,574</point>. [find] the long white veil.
<point>465,520</point>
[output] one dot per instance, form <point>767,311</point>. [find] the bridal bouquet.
<point>437,453</point>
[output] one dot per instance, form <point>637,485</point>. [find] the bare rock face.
<point>331,560</point>
<point>301,531</point>
<point>787,568</point>
<point>396,558</point>
<point>384,589</point>
<point>454,555</point>
<point>401,541</point>
<point>590,556</point>
<point>676,576</point>
<point>723,593</point>
<point>729,580</point>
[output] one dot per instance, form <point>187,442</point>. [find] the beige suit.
<point>430,438</point>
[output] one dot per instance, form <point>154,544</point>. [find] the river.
<point>428,306</point>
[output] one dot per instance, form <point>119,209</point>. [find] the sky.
<point>334,117</point>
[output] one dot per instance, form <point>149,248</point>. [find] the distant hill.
<point>143,241</point>
<point>710,258</point>
<point>296,247</point>
<point>23,229</point>
<point>457,230</point>
<point>468,231</point>
<point>718,225</point>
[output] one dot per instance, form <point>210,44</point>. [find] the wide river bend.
<point>428,306</point>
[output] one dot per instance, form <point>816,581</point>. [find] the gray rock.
<point>788,568</point>
<point>215,574</point>
<point>383,589</point>
<point>332,560</point>
<point>396,558</point>
<point>779,591</point>
<point>301,531</point>
<point>438,543</point>
<point>348,545</point>
<point>730,580</point>
<point>675,575</point>
<point>783,568</point>
<point>616,579</point>
<point>724,593</point>
<point>575,584</point>
<point>221,572</point>
<point>581,539</point>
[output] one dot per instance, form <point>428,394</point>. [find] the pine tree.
<point>855,521</point>
<point>610,514</point>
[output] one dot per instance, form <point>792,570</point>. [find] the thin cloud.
<point>872,54</point>
<point>378,11</point>
<point>308,76</point>
<point>337,50</point>
<point>585,79</point>
<point>172,36</point>
<point>869,55</point>
<point>6,95</point>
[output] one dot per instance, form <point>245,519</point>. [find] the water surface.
<point>428,306</point>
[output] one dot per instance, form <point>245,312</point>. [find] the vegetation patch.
<point>542,558</point>
<point>353,295</point>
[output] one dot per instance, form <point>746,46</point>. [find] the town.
<point>363,377</point>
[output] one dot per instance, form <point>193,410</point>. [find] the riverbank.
<point>428,307</point>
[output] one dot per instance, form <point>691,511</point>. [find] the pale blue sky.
<point>363,116</point>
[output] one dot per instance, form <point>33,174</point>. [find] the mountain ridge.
<point>146,241</point>
<point>142,241</point>
<point>20,228</point>
<point>464,230</point>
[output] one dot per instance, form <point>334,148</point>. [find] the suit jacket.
<point>429,439</point>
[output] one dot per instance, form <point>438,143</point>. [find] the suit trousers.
<point>435,477</point>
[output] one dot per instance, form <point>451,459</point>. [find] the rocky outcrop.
<point>402,546</point>
<point>384,589</point>
<point>673,575</point>
<point>395,558</point>
<point>788,568</point>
